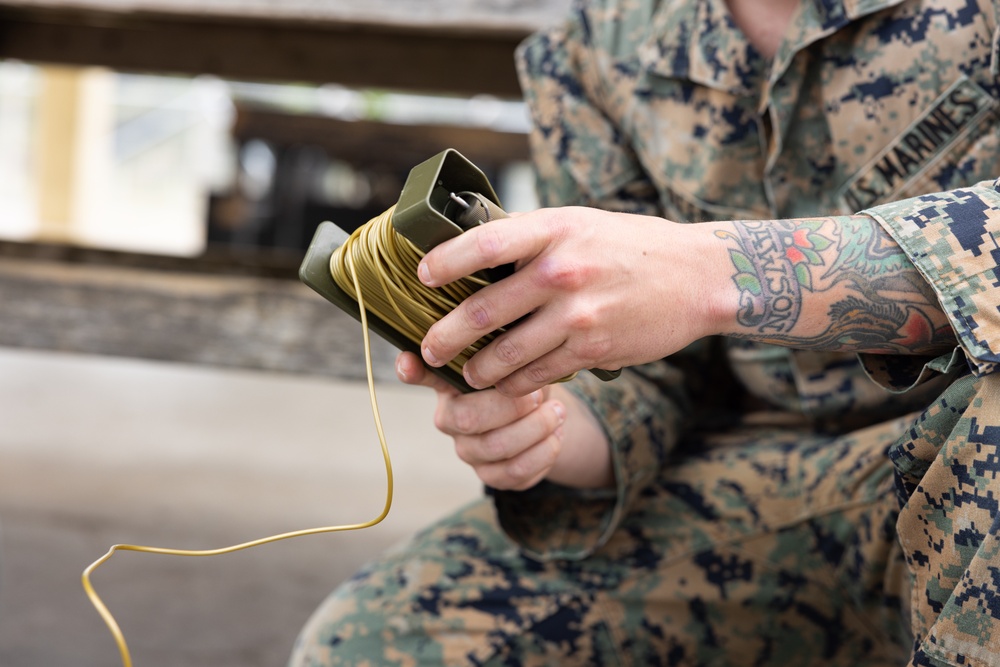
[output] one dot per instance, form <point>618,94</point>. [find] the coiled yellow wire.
<point>387,266</point>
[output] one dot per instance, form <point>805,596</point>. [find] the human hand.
<point>514,443</point>
<point>599,289</point>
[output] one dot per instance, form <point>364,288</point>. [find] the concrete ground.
<point>99,451</point>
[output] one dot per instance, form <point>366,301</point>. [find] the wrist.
<point>715,302</point>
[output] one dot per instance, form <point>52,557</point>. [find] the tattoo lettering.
<point>772,261</point>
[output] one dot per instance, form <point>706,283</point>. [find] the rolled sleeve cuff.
<point>952,239</point>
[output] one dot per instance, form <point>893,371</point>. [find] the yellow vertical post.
<point>73,148</point>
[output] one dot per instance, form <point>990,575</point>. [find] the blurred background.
<point>183,165</point>
<point>164,377</point>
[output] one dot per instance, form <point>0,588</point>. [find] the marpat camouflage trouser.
<point>774,548</point>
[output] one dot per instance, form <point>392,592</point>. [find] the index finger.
<point>503,241</point>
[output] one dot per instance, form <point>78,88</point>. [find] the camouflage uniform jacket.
<point>664,108</point>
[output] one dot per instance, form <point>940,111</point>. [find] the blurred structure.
<point>162,163</point>
<point>219,133</point>
<point>178,166</point>
<point>345,156</point>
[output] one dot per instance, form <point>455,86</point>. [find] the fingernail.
<point>424,273</point>
<point>429,356</point>
<point>401,372</point>
<point>537,397</point>
<point>468,379</point>
<point>560,412</point>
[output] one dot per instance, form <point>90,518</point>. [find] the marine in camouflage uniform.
<point>773,506</point>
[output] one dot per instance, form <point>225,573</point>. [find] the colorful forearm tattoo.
<point>837,283</point>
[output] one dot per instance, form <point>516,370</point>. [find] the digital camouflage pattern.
<point>773,507</point>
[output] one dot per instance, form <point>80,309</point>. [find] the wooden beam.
<point>369,143</point>
<point>359,55</point>
<point>229,321</point>
<point>256,263</point>
<point>469,16</point>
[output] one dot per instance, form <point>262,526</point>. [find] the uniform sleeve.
<point>952,239</point>
<point>581,160</point>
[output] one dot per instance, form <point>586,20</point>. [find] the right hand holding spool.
<point>595,289</point>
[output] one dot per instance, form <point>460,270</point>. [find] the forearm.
<point>836,283</point>
<point>596,289</point>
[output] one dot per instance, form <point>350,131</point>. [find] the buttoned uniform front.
<point>772,506</point>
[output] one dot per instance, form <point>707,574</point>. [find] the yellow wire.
<point>103,610</point>
<point>380,264</point>
<point>387,267</point>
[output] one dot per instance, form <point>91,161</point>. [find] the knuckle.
<point>465,421</point>
<point>489,243</point>
<point>517,472</point>
<point>494,447</point>
<point>508,351</point>
<point>537,374</point>
<point>562,220</point>
<point>593,350</point>
<point>441,419</point>
<point>478,313</point>
<point>583,318</point>
<point>560,273</point>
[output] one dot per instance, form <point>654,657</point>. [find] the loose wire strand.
<point>102,608</point>
<point>378,268</point>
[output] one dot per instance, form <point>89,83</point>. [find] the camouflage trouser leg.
<point>949,483</point>
<point>771,551</point>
